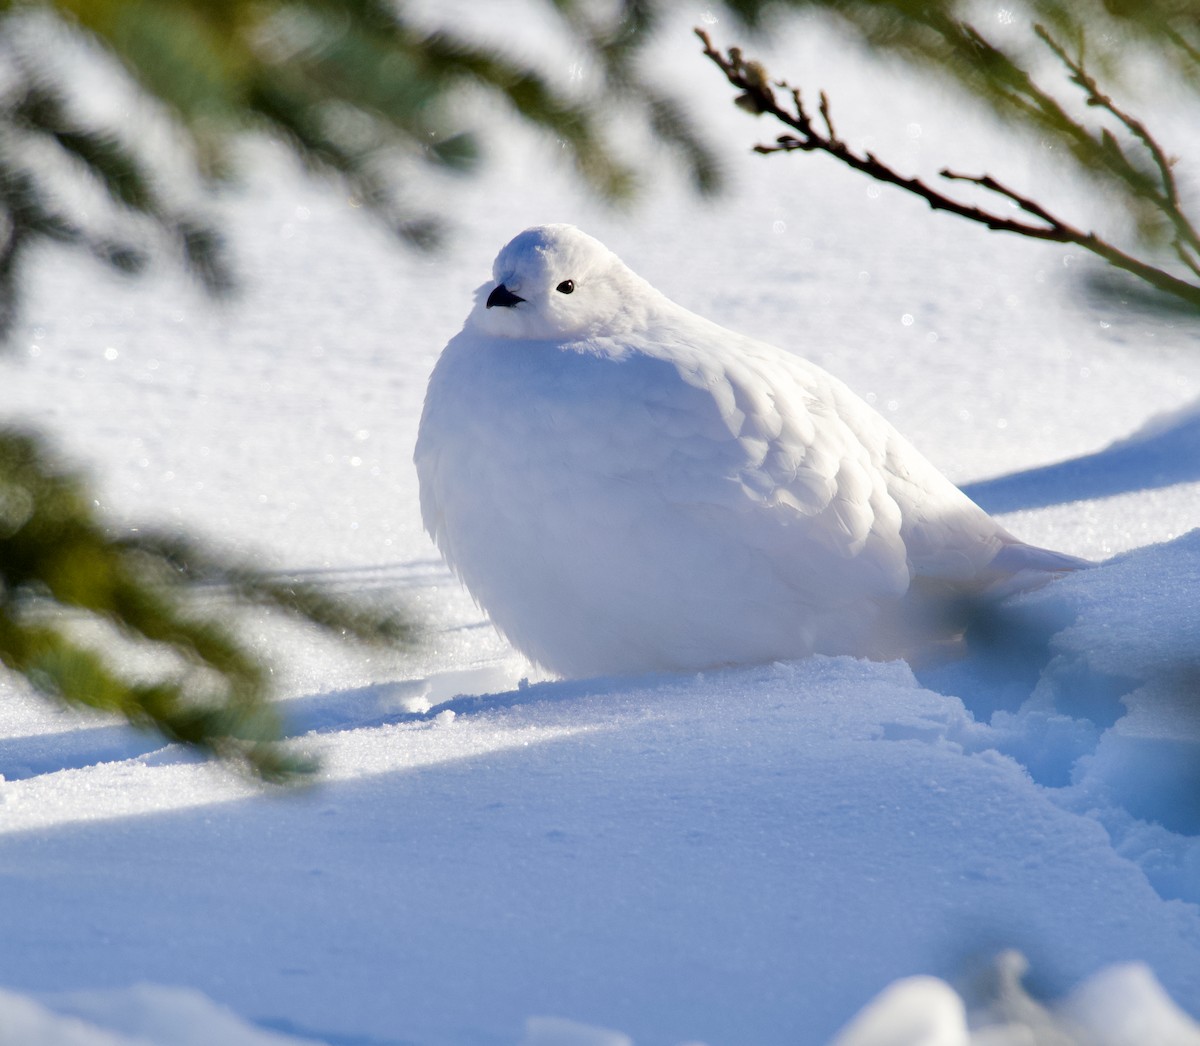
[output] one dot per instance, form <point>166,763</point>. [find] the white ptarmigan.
<point>626,487</point>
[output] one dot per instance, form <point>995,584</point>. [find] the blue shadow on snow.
<point>1160,456</point>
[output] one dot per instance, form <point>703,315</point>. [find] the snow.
<point>749,856</point>
<point>914,1009</point>
<point>1120,1006</point>
<point>141,1015</point>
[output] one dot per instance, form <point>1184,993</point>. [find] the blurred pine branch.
<point>356,89</point>
<point>81,608</point>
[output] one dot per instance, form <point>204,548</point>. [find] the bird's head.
<point>553,282</point>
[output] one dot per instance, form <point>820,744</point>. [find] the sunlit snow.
<point>803,853</point>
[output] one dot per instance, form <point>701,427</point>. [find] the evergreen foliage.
<point>356,89</point>
<point>78,604</point>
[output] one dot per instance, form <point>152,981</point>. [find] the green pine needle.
<point>66,580</point>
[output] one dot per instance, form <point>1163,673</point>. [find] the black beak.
<point>503,296</point>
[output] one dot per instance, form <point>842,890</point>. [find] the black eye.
<point>566,287</point>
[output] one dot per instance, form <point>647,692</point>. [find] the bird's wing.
<point>785,470</point>
<point>822,464</point>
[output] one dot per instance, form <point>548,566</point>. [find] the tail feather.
<point>1015,557</point>
<point>1019,567</point>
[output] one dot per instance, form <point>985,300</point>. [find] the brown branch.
<point>1089,241</point>
<point>1168,200</point>
<point>1178,40</point>
<point>1096,98</point>
<point>1187,256</point>
<point>759,98</point>
<point>824,108</point>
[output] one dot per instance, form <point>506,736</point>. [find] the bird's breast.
<point>609,515</point>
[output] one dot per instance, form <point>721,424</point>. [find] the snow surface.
<point>742,857</point>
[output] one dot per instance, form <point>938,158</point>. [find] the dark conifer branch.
<point>61,566</point>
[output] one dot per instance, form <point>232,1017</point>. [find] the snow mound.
<point>143,1015</point>
<point>1163,452</point>
<point>1121,1005</point>
<point>1092,684</point>
<point>555,1031</point>
<point>914,1011</point>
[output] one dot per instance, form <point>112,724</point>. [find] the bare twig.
<point>1167,199</point>
<point>759,97</point>
<point>1187,256</point>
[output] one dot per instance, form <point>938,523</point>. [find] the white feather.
<point>624,486</point>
